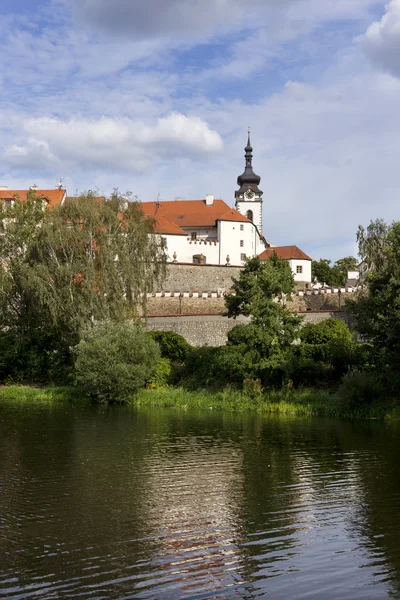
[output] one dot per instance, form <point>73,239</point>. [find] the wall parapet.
<point>223,292</point>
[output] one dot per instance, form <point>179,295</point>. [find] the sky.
<point>156,97</point>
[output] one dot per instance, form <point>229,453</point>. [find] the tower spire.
<point>249,196</point>
<point>249,152</point>
<point>248,179</point>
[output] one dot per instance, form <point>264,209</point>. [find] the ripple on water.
<point>165,505</point>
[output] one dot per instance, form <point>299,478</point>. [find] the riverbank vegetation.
<point>73,280</point>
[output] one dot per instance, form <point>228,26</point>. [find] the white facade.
<point>252,209</point>
<point>301,270</point>
<point>234,239</point>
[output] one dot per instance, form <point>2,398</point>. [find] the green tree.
<point>259,283</point>
<point>325,331</point>
<point>335,275</point>
<point>63,268</point>
<point>114,360</point>
<point>377,308</point>
<point>322,271</point>
<point>373,244</point>
<point>260,347</point>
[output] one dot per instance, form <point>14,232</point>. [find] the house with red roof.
<point>54,197</point>
<point>208,231</point>
<point>204,231</point>
<point>299,261</point>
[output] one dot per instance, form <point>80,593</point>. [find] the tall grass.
<point>25,393</point>
<point>304,402</point>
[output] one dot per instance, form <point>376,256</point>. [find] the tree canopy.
<point>258,348</point>
<point>377,308</point>
<point>62,268</point>
<point>335,275</point>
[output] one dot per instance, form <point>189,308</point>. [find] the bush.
<point>172,345</point>
<point>39,359</point>
<point>325,331</point>
<point>114,360</point>
<point>359,388</point>
<point>326,353</point>
<point>162,376</point>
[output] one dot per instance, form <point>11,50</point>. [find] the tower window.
<point>299,269</point>
<point>249,215</point>
<point>241,243</point>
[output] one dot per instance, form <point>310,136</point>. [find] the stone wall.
<point>197,303</point>
<point>189,277</point>
<point>192,301</point>
<point>212,330</point>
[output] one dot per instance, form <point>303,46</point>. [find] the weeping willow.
<point>90,259</point>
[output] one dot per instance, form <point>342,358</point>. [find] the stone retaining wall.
<point>199,302</point>
<point>212,330</point>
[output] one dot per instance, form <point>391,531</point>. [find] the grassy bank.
<point>26,393</point>
<point>306,402</point>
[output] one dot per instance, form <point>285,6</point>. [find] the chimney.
<point>3,187</point>
<point>209,199</point>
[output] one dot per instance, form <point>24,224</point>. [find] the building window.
<point>241,243</point>
<point>193,235</point>
<point>249,215</point>
<point>243,257</point>
<point>242,228</point>
<point>299,269</point>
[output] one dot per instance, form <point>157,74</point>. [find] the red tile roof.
<point>192,213</point>
<point>285,253</point>
<point>163,225</point>
<point>53,197</point>
<point>234,215</point>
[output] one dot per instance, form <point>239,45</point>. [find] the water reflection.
<point>116,503</point>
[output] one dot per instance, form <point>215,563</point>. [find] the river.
<point>164,504</point>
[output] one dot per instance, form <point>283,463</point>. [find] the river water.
<point>166,504</point>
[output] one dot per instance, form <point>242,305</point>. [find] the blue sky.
<point>156,98</point>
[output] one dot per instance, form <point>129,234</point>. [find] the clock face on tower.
<point>249,194</point>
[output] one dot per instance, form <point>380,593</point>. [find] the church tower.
<point>249,196</point>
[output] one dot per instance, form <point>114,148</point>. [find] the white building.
<point>205,231</point>
<point>210,232</point>
<point>298,260</point>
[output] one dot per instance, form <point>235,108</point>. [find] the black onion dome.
<point>248,179</point>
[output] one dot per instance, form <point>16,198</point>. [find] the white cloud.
<point>111,143</point>
<point>382,39</point>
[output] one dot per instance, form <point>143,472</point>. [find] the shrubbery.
<point>114,360</point>
<point>163,374</point>
<point>360,388</point>
<point>172,345</point>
